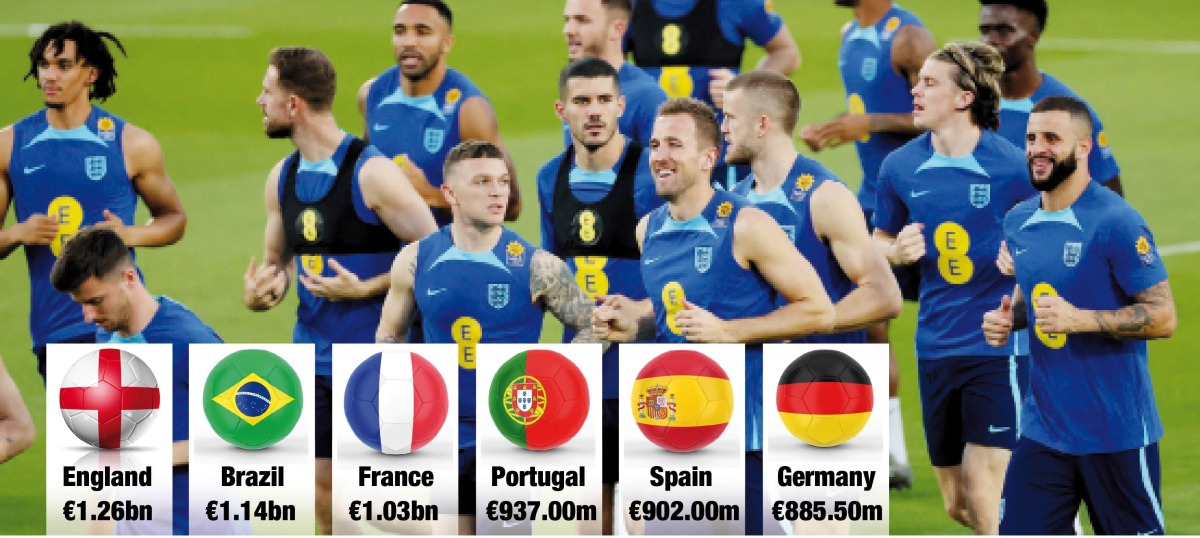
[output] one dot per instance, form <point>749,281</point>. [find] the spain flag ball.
<point>252,399</point>
<point>682,400</point>
<point>538,399</point>
<point>824,398</point>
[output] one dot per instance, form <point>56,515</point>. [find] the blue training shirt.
<point>72,175</point>
<point>961,201</point>
<point>172,324</point>
<point>600,275</point>
<point>874,87</point>
<point>693,260</point>
<point>320,321</point>
<point>1088,393</point>
<point>425,128</point>
<point>1014,117</point>
<point>469,298</point>
<point>790,204</point>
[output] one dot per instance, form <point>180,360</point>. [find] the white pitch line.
<point>171,31</point>
<point>1120,45</point>
<point>1180,248</point>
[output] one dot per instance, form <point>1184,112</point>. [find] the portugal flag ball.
<point>252,399</point>
<point>682,400</point>
<point>538,399</point>
<point>824,398</point>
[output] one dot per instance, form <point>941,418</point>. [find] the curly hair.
<point>89,45</point>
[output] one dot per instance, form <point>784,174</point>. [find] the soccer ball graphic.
<point>538,399</point>
<point>396,402</point>
<point>682,400</point>
<point>252,399</point>
<point>109,398</point>
<point>824,398</point>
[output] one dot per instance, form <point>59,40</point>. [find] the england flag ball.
<point>109,398</point>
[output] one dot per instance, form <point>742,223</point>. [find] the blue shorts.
<point>1043,489</point>
<point>907,276</point>
<point>754,493</point>
<point>970,400</point>
<point>611,442</point>
<point>324,429</point>
<point>466,465</point>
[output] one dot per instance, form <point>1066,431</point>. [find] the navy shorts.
<point>754,493</point>
<point>40,351</point>
<point>1043,489</point>
<point>466,465</point>
<point>970,400</point>
<point>610,443</point>
<point>324,429</point>
<point>907,276</point>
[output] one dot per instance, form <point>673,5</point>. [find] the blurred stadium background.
<point>195,68</point>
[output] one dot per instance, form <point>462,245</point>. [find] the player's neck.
<point>70,116</point>
<point>425,85</point>
<point>956,139</point>
<point>1067,193</point>
<point>692,201</point>
<point>602,159</point>
<point>1021,82</point>
<point>772,164</point>
<point>474,237</point>
<point>144,308</point>
<point>870,12</point>
<point>318,137</point>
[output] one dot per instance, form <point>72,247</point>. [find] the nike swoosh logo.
<point>432,292</point>
<point>1019,251</point>
<point>32,169</point>
<point>380,127</point>
<point>994,429</point>
<point>649,261</point>
<point>917,194</point>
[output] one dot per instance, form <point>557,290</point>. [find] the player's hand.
<point>113,222</point>
<point>432,195</point>
<point>700,325</point>
<point>1004,260</point>
<point>1056,316</point>
<point>264,287</point>
<point>844,129</point>
<point>909,246</point>
<point>38,229</point>
<point>998,323</point>
<point>614,320</point>
<point>809,136</point>
<point>343,285</point>
<point>718,79</point>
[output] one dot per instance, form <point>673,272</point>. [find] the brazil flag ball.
<point>252,399</point>
<point>538,399</point>
<point>824,398</point>
<point>682,400</point>
<point>396,402</point>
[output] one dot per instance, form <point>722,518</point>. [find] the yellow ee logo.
<point>952,243</point>
<point>467,332</point>
<point>672,39</point>
<point>315,263</point>
<point>676,81</point>
<point>856,107</point>
<point>1051,340</point>
<point>589,273</point>
<point>588,232</point>
<point>69,214</point>
<point>673,299</point>
<point>310,225</point>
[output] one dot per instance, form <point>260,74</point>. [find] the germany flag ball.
<point>824,398</point>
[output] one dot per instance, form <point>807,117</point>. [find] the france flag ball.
<point>396,402</point>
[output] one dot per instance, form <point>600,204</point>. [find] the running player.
<point>73,165</point>
<point>815,209</point>
<point>942,198</point>
<point>415,111</point>
<point>713,266</point>
<point>1014,28</point>
<point>489,286</point>
<point>879,120</point>
<point>337,209</point>
<point>596,28</point>
<point>1092,286</point>
<point>16,425</point>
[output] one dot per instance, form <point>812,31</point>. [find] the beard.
<point>846,3</point>
<point>279,131</point>
<point>594,146</point>
<point>56,106</point>
<point>1059,173</point>
<point>421,71</point>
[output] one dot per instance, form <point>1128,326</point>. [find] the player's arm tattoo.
<point>1152,315</point>
<point>551,281</point>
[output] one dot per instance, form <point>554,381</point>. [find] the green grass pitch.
<point>195,68</point>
